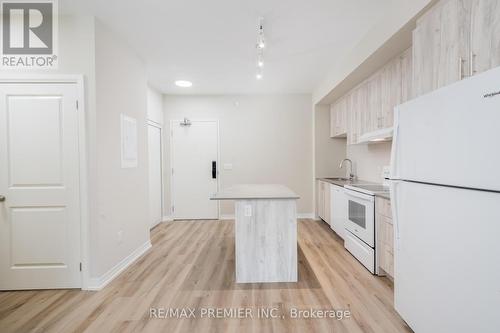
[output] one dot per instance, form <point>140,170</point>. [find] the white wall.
<point>122,194</point>
<point>267,138</point>
<point>368,160</point>
<point>155,105</point>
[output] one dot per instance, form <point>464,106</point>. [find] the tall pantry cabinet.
<point>454,40</point>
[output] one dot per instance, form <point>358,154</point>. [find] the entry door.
<point>155,175</point>
<point>39,185</point>
<point>194,169</point>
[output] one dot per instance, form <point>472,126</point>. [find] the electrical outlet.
<point>248,210</point>
<point>120,236</point>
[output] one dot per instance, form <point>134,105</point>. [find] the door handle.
<point>2,198</point>
<point>214,170</point>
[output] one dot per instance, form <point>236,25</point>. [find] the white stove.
<point>360,222</point>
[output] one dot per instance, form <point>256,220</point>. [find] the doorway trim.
<point>162,159</point>
<point>171,146</point>
<point>78,80</point>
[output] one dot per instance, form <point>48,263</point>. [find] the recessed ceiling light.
<point>259,76</point>
<point>183,83</point>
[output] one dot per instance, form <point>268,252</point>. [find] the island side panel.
<point>266,241</point>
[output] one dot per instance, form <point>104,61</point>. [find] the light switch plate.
<point>386,171</point>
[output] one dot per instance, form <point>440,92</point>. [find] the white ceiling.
<point>212,42</point>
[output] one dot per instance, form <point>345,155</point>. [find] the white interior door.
<point>39,182</point>
<point>194,152</point>
<point>155,175</point>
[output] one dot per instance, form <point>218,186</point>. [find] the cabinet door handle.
<point>214,170</point>
<point>473,70</point>
<point>460,68</point>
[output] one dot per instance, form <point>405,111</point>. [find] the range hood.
<point>381,135</point>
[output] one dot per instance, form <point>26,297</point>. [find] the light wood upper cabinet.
<point>378,95</point>
<point>338,118</point>
<point>391,88</point>
<point>441,46</point>
<point>372,109</point>
<point>454,40</point>
<point>354,115</point>
<point>485,32</point>
<point>370,106</point>
<point>406,76</point>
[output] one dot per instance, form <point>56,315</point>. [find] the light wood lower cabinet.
<point>320,199</point>
<point>323,206</point>
<point>385,237</point>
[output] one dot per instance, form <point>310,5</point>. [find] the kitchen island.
<point>265,232</point>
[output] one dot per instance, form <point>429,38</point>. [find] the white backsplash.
<point>369,160</point>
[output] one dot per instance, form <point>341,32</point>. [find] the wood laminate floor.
<point>191,265</point>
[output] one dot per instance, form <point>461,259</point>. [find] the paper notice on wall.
<point>129,141</point>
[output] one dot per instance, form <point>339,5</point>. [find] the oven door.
<point>361,216</point>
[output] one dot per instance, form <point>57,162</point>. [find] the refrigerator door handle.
<point>395,145</point>
<point>394,207</point>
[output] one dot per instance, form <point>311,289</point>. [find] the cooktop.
<point>368,188</point>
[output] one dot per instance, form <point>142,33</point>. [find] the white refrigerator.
<point>445,190</point>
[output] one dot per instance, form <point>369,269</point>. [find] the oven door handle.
<point>364,197</point>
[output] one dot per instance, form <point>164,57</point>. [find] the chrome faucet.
<point>351,175</point>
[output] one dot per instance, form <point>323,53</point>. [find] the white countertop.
<point>255,191</point>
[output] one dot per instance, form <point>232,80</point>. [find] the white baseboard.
<point>100,282</point>
<point>167,218</point>
<point>299,216</point>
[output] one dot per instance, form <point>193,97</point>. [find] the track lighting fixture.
<point>260,61</point>
<point>261,44</point>
<point>259,75</point>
